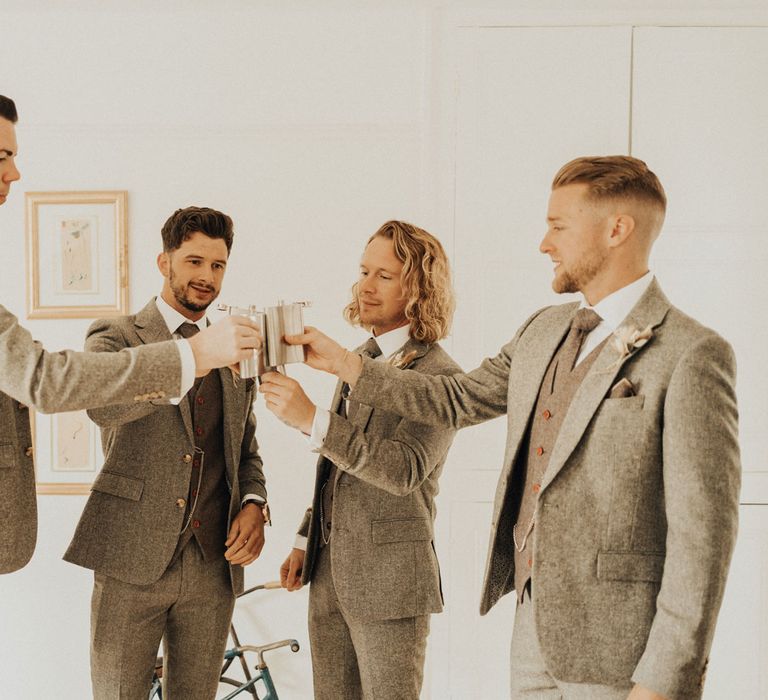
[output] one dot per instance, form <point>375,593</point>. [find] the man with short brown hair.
<point>69,381</point>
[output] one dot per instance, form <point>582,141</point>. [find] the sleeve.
<point>69,381</point>
<point>251,472</point>
<point>702,479</point>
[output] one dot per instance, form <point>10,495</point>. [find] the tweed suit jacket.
<point>58,381</point>
<point>637,512</point>
<point>130,526</point>
<point>383,558</point>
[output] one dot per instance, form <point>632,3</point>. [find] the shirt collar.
<point>173,319</point>
<point>391,341</point>
<point>616,307</point>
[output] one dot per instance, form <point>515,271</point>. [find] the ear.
<point>623,227</point>
<point>164,264</point>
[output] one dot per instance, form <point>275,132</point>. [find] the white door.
<point>524,100</point>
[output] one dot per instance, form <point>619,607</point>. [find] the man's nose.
<point>545,246</point>
<point>12,174</point>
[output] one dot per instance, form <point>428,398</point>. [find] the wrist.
<point>350,367</point>
<point>262,507</point>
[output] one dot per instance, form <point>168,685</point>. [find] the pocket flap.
<point>119,485</point>
<point>7,456</point>
<point>401,530</point>
<point>630,566</point>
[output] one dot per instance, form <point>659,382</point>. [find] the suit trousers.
<point>354,659</point>
<point>189,607</point>
<point>530,679</point>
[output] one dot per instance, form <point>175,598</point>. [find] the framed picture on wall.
<point>67,450</point>
<point>77,254</point>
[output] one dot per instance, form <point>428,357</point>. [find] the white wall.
<point>310,123</point>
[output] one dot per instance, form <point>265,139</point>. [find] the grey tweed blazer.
<point>130,525</point>
<point>383,557</point>
<point>51,382</point>
<point>637,514</point>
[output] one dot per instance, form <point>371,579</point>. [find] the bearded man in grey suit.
<point>69,381</point>
<point>180,504</point>
<point>367,542</point>
<point>616,510</point>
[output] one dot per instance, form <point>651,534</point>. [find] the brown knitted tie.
<point>582,324</point>
<point>187,330</point>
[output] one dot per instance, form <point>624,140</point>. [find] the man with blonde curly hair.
<point>366,544</point>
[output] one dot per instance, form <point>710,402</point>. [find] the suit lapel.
<point>152,328</point>
<point>233,408</point>
<point>528,366</point>
<point>649,311</point>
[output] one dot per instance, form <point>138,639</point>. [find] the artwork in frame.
<point>77,254</point>
<point>66,450</point>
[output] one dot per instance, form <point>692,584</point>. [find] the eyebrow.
<point>192,256</point>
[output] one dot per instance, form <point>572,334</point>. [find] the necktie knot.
<point>372,348</point>
<point>187,330</point>
<point>585,320</point>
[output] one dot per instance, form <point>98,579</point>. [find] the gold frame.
<point>34,201</point>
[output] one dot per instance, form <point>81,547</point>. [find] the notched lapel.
<point>649,311</point>
<point>233,406</point>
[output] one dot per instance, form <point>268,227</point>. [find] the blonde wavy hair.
<point>425,279</point>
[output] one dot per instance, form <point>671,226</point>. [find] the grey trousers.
<point>530,679</point>
<point>352,659</point>
<point>189,607</point>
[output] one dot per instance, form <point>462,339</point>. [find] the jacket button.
<point>180,503</point>
<point>536,488</point>
<point>29,451</point>
<point>546,415</point>
<point>539,451</point>
<point>196,523</point>
<point>186,459</point>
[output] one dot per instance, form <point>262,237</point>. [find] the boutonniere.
<point>626,340</point>
<point>402,360</point>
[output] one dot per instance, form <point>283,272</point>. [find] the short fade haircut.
<point>616,178</point>
<point>425,278</point>
<point>184,222</point>
<point>8,109</point>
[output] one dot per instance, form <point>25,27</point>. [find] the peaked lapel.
<point>152,328</point>
<point>650,310</point>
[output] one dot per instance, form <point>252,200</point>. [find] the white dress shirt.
<point>613,310</point>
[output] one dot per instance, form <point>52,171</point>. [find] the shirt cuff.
<point>320,425</point>
<point>187,369</point>
<point>251,497</point>
<point>300,543</point>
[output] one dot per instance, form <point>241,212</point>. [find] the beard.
<point>582,273</point>
<point>181,294</point>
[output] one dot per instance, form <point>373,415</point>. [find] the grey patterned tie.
<point>585,321</point>
<point>187,330</point>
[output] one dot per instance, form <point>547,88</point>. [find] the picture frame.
<point>77,254</point>
<point>67,452</point>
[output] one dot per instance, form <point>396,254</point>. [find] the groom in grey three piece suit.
<point>366,544</point>
<point>616,509</point>
<point>179,506</point>
<point>70,381</point>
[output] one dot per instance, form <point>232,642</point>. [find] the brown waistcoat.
<point>208,522</point>
<point>555,394</point>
